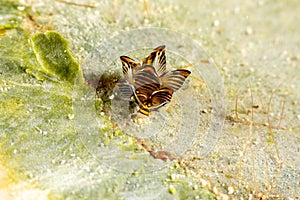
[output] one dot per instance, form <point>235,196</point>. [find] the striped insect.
<point>149,84</point>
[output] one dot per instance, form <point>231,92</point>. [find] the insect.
<point>149,84</point>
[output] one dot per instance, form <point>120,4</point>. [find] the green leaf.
<point>52,53</point>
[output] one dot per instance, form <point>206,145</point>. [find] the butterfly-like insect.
<point>149,83</point>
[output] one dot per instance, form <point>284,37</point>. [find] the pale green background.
<point>253,43</point>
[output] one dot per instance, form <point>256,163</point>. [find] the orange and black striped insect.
<point>149,83</point>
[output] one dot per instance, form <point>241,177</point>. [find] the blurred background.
<point>255,48</point>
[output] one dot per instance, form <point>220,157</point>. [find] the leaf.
<point>52,53</point>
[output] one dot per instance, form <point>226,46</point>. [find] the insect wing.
<point>157,59</point>
<point>157,100</point>
<point>146,80</point>
<point>141,99</point>
<point>174,79</point>
<point>129,67</point>
<point>126,89</point>
<point>160,98</point>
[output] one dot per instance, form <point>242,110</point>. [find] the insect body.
<point>149,84</point>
